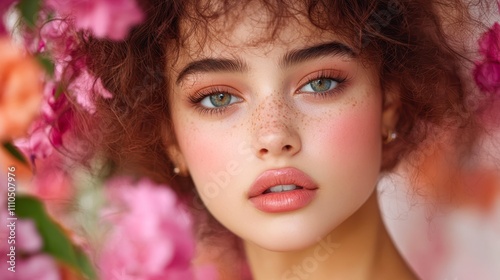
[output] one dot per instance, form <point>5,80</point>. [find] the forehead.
<point>250,28</point>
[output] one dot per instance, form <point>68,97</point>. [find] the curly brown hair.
<point>419,46</point>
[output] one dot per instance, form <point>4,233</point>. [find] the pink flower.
<point>150,236</point>
<point>489,43</point>
<point>4,6</point>
<point>27,239</point>
<point>84,87</point>
<point>58,37</point>
<point>40,267</point>
<point>29,264</point>
<point>38,144</point>
<point>105,18</point>
<point>48,131</point>
<point>52,183</point>
<point>487,76</point>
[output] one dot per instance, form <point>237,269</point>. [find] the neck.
<point>360,248</point>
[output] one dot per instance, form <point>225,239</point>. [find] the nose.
<point>275,132</point>
<point>277,143</point>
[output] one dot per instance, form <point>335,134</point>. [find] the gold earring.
<point>391,135</point>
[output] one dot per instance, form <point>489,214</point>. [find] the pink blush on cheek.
<point>206,151</point>
<point>348,140</point>
<point>211,155</point>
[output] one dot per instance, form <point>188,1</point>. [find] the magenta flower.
<point>487,76</point>
<point>150,236</point>
<point>58,38</point>
<point>487,71</point>
<point>47,132</point>
<point>489,43</point>
<point>57,116</point>
<point>105,18</point>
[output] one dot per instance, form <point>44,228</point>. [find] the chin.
<point>289,245</point>
<point>290,238</point>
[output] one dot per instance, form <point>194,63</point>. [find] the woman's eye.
<point>219,100</point>
<point>319,85</point>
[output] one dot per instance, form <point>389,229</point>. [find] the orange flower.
<point>443,177</point>
<point>20,91</point>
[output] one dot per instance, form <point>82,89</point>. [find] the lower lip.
<point>283,201</point>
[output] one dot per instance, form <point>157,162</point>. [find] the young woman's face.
<point>301,111</point>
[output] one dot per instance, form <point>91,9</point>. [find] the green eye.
<point>319,85</point>
<point>221,99</point>
<point>217,100</point>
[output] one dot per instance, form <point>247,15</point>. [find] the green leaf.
<point>29,11</point>
<point>15,152</point>
<point>85,265</point>
<point>59,91</point>
<point>46,63</point>
<point>55,241</point>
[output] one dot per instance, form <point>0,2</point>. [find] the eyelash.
<point>196,99</point>
<point>333,75</point>
<point>199,96</point>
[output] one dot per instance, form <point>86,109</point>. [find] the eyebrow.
<point>289,59</point>
<point>327,49</point>
<point>212,65</point>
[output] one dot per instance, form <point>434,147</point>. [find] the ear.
<point>390,109</point>
<point>177,158</point>
<point>173,150</point>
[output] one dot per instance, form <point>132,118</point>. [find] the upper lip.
<point>283,176</point>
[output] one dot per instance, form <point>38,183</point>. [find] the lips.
<point>282,190</point>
